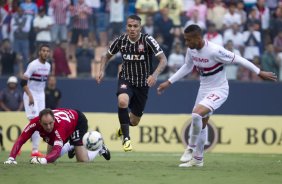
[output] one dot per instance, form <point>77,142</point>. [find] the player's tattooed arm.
<point>102,66</point>
<point>161,66</point>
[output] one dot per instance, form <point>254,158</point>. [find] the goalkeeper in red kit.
<point>62,130</point>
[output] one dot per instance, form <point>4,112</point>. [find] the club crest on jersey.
<point>133,57</point>
<point>141,47</point>
<point>123,86</point>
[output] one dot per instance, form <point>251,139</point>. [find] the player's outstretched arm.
<point>267,75</point>
<point>163,86</point>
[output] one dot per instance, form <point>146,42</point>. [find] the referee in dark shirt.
<point>136,75</point>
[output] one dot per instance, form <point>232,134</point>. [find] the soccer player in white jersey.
<point>209,59</point>
<point>33,83</point>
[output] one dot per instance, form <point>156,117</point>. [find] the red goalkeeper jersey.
<point>64,126</point>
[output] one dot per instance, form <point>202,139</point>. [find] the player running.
<point>57,127</point>
<point>209,59</point>
<point>137,74</point>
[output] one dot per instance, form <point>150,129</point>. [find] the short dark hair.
<point>193,29</point>
<point>46,112</point>
<point>43,45</point>
<point>134,17</point>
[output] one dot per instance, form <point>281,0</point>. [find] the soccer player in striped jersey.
<point>209,59</point>
<point>33,83</point>
<point>137,74</point>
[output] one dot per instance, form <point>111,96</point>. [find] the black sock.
<point>124,121</point>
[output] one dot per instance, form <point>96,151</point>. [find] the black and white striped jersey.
<point>137,57</point>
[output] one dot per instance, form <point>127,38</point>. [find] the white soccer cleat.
<point>193,163</point>
<point>187,155</point>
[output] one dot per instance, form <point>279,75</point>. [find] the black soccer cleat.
<point>71,153</point>
<point>106,152</point>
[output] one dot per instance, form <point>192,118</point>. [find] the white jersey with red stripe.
<point>210,61</point>
<point>37,73</point>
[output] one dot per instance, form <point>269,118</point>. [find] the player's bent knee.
<point>196,117</point>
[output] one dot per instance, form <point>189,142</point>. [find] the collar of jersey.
<point>136,40</point>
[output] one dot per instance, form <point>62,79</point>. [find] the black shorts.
<point>137,96</point>
<point>80,129</point>
<point>78,32</point>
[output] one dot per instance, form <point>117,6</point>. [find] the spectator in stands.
<point>252,40</point>
<point>236,36</point>
<point>11,96</point>
<point>30,9</point>
<point>80,25</point>
<point>231,17</point>
<point>195,20</point>
<point>145,8</point>
<point>263,14</point>
<point>58,10</point>
<point>93,19</point>
<point>175,59</point>
<point>20,26</point>
<point>3,15</point>
<point>149,26</point>
<point>213,35</point>
<point>164,25</point>
<point>10,61</point>
<point>42,26</point>
<point>231,70</point>
<point>11,8</point>
<point>60,62</point>
<point>253,19</point>
<point>277,43</point>
<point>102,23</point>
<point>175,9</point>
<point>116,18</point>
<point>202,9</point>
<point>241,11</point>
<point>215,13</point>
<point>276,22</point>
<point>52,94</point>
<point>84,55</point>
<point>269,60</point>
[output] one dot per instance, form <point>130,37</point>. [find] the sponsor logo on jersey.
<point>155,43</point>
<point>227,55</point>
<point>201,60</point>
<point>29,127</point>
<point>211,139</point>
<point>134,57</point>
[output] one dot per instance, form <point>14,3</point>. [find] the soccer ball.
<point>92,140</point>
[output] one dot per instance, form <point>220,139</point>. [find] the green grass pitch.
<point>147,168</point>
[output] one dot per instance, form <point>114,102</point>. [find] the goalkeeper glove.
<point>10,160</point>
<point>37,160</point>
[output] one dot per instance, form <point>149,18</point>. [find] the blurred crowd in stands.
<point>79,31</point>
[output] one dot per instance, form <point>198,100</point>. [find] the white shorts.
<point>212,98</point>
<point>32,111</point>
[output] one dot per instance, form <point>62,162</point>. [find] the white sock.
<point>199,154</point>
<point>67,147</point>
<point>93,154</point>
<point>196,128</point>
<point>35,139</point>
